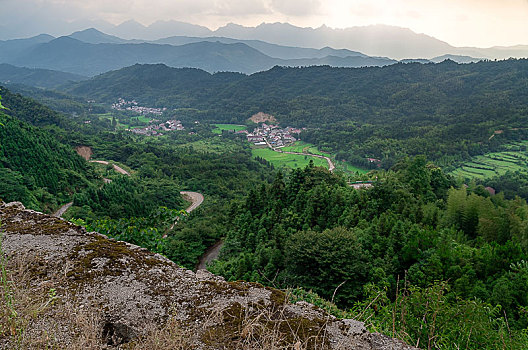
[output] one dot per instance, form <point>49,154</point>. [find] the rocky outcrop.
<point>129,292</point>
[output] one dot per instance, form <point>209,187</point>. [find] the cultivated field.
<point>514,158</point>
<point>280,160</point>
<point>230,127</point>
<point>348,168</point>
<point>305,147</point>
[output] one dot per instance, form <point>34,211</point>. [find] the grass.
<point>283,160</point>
<point>305,147</point>
<point>514,158</point>
<point>348,168</point>
<point>229,127</point>
<point>122,126</point>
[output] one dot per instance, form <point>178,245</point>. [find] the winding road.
<point>62,210</point>
<point>210,254</point>
<point>195,198</point>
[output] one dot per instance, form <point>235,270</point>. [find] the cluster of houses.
<point>272,135</point>
<point>123,105</point>
<point>157,129</point>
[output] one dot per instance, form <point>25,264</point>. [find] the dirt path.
<point>210,255</point>
<point>116,167</point>
<point>331,166</point>
<point>62,210</point>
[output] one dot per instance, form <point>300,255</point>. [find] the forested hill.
<point>35,168</point>
<point>27,110</point>
<point>43,78</point>
<point>444,110</point>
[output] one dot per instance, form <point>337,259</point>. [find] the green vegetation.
<point>418,256</point>
<point>35,167</point>
<point>446,111</point>
<point>302,147</point>
<point>348,168</point>
<point>386,249</point>
<point>228,127</point>
<point>284,160</point>
<point>305,147</point>
<point>215,145</point>
<point>513,158</point>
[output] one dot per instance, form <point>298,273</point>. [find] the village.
<point>156,129</point>
<point>272,135</point>
<point>133,106</point>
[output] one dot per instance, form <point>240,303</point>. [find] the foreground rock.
<point>127,295</point>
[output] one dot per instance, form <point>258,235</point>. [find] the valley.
<point>366,186</point>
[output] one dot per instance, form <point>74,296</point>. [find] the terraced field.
<point>514,158</point>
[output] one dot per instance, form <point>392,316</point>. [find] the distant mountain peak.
<point>94,36</point>
<point>131,22</point>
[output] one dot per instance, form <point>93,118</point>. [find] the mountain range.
<point>92,52</point>
<point>231,48</point>
<point>374,40</point>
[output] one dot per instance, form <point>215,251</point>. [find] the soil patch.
<point>84,151</point>
<point>261,117</point>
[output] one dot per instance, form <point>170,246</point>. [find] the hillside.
<point>42,78</point>
<point>68,54</point>
<point>100,292</point>
<point>447,111</point>
<point>35,167</point>
<point>272,50</point>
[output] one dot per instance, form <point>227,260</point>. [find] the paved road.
<point>116,167</point>
<point>210,255</point>
<point>62,210</point>
<point>195,198</point>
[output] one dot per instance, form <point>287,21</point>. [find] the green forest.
<point>435,259</point>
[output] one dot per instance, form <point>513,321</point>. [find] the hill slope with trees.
<point>447,111</point>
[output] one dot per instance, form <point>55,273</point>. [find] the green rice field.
<point>514,158</point>
<point>304,147</point>
<point>300,161</point>
<point>283,160</point>
<point>232,127</point>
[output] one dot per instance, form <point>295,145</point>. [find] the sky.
<point>480,23</point>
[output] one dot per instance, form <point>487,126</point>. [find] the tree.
<point>327,260</point>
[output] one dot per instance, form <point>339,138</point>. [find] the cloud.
<point>297,8</point>
<point>460,22</point>
<point>240,7</point>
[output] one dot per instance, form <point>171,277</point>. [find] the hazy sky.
<point>459,22</point>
